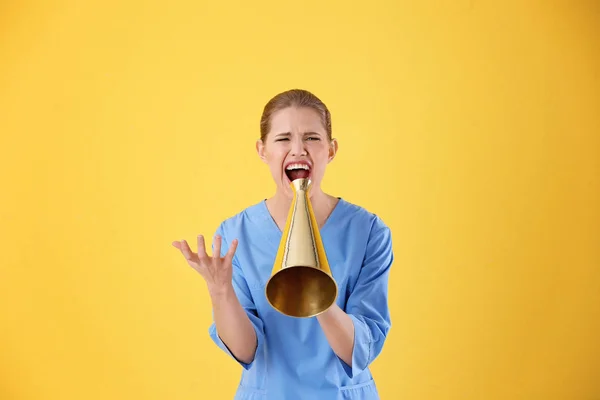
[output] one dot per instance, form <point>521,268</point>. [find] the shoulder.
<point>241,220</point>
<point>366,237</point>
<point>354,216</point>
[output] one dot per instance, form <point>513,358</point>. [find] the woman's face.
<point>296,147</point>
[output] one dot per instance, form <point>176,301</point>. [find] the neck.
<point>322,203</point>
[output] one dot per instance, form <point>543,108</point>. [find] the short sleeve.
<point>367,305</point>
<point>243,294</point>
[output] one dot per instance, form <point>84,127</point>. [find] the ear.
<point>260,149</point>
<point>333,148</point>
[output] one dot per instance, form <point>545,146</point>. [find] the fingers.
<point>231,251</point>
<point>187,252</point>
<point>202,248</point>
<point>217,247</point>
<point>202,255</point>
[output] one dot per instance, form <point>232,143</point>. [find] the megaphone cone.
<point>301,284</point>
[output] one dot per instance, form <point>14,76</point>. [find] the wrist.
<point>221,293</point>
<point>330,313</point>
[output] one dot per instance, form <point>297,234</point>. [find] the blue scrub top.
<point>293,359</point>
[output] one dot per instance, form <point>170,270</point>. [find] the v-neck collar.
<point>273,231</point>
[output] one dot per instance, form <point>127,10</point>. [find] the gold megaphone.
<point>301,284</point>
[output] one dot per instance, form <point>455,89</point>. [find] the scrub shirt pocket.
<point>246,393</point>
<point>361,391</point>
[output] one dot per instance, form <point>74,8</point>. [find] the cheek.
<point>320,154</point>
<point>275,159</point>
<point>273,154</point>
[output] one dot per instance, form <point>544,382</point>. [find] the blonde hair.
<point>297,98</point>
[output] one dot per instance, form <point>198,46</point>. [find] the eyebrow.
<point>305,133</point>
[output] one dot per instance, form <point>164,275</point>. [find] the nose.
<point>298,148</point>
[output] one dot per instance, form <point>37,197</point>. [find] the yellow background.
<point>472,128</point>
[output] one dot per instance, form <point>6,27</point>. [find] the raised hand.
<point>216,270</point>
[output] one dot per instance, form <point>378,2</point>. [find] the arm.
<point>339,331</point>
<point>236,328</point>
<point>233,325</point>
<point>357,334</point>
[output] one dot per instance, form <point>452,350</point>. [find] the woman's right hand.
<point>216,270</point>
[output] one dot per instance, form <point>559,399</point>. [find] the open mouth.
<point>297,171</point>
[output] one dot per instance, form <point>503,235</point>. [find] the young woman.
<point>286,358</point>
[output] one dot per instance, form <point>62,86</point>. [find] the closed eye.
<point>311,138</point>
